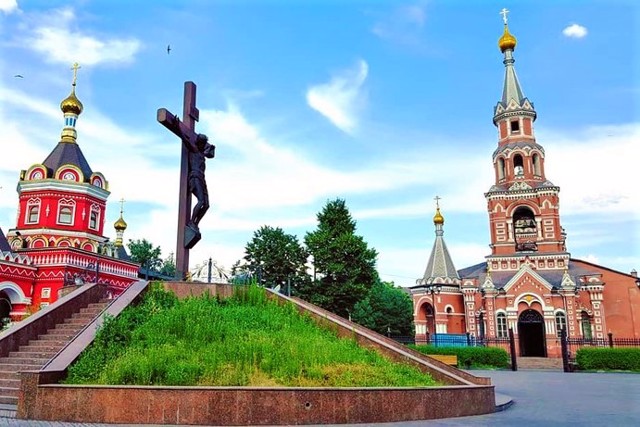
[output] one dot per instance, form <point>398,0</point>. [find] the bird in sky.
<point>19,76</point>
<point>168,49</point>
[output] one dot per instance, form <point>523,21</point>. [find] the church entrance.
<point>5,309</point>
<point>531,334</point>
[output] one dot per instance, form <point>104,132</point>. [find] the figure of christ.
<point>198,153</point>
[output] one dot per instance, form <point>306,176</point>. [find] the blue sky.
<point>383,103</point>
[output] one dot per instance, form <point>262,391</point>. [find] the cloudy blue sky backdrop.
<point>383,103</point>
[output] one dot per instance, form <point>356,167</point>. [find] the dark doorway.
<point>531,334</point>
<point>5,309</point>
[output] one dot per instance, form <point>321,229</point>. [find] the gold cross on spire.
<point>437,199</point>
<point>75,68</point>
<point>504,12</point>
<point>121,206</point>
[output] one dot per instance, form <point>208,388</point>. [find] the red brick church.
<point>529,282</point>
<point>58,240</point>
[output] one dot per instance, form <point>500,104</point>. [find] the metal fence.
<point>569,346</point>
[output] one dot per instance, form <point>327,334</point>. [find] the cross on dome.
<point>504,12</point>
<point>75,68</point>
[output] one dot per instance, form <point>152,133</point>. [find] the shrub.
<point>470,357</point>
<point>626,359</point>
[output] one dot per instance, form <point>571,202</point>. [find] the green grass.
<point>246,340</point>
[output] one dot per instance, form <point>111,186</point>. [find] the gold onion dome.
<point>507,41</point>
<point>71,104</point>
<point>120,224</point>
<point>438,218</point>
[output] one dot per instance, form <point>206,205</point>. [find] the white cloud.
<point>59,41</point>
<point>403,25</point>
<point>594,168</point>
<point>8,6</point>
<point>575,31</point>
<point>341,99</point>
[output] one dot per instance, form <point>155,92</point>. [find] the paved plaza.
<point>542,398</point>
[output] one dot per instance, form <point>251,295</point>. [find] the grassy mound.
<point>246,340</point>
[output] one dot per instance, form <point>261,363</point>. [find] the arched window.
<point>561,322</point>
<point>501,168</point>
<point>585,326</point>
<point>33,211</point>
<point>65,211</point>
<point>518,165</point>
<point>94,217</point>
<point>501,325</point>
<point>33,214</point>
<point>537,168</point>
<point>524,221</point>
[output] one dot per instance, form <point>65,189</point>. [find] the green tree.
<point>387,309</point>
<point>274,258</point>
<point>344,265</point>
<point>168,267</point>
<point>143,253</point>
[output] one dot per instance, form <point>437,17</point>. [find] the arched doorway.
<point>5,309</point>
<point>531,334</point>
<point>430,320</point>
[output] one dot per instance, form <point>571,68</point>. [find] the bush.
<point>470,357</point>
<point>625,359</point>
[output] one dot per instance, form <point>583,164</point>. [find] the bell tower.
<point>523,205</point>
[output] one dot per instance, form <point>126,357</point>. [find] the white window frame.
<point>501,329</point>
<point>95,209</point>
<point>66,203</point>
<point>31,204</point>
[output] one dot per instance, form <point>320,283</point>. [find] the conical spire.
<point>440,268</point>
<point>72,108</point>
<point>511,90</point>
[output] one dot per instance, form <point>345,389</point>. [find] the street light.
<point>434,289</point>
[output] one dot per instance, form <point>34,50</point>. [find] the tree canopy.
<point>387,309</point>
<point>274,257</point>
<point>144,253</point>
<point>344,265</point>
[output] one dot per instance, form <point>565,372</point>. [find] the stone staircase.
<point>39,351</point>
<point>547,363</point>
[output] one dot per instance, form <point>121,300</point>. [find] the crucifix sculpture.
<point>195,150</point>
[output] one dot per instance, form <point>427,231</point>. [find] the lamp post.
<point>434,289</point>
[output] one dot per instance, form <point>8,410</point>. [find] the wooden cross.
<point>504,12</point>
<point>75,68</point>
<point>185,130</point>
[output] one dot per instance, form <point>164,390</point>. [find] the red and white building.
<point>59,236</point>
<point>529,282</point>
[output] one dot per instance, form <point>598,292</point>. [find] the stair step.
<point>9,375</point>
<point>68,327</point>
<point>23,361</point>
<point>78,321</point>
<point>57,336</point>
<point>96,305</point>
<point>9,400</point>
<point>33,354</point>
<point>9,391</point>
<point>12,367</point>
<point>15,383</point>
<point>44,345</point>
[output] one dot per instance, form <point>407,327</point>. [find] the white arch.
<point>14,292</point>
<point>535,298</point>
<point>421,302</point>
